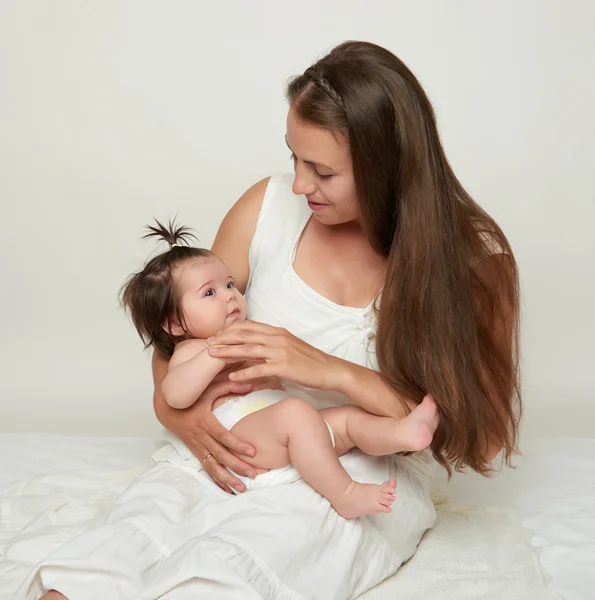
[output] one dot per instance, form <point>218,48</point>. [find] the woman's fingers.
<point>219,449</point>
<point>225,438</point>
<point>251,351</point>
<point>219,389</point>
<point>255,372</point>
<point>201,452</point>
<point>248,332</point>
<point>224,457</point>
<point>254,326</point>
<point>220,475</point>
<point>221,440</point>
<point>220,483</point>
<point>239,388</point>
<point>240,336</point>
<point>223,478</point>
<point>227,459</point>
<point>224,487</point>
<point>234,443</point>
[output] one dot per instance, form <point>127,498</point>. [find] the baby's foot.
<point>417,429</point>
<point>361,499</point>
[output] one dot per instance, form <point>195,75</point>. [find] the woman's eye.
<point>323,177</point>
<point>316,173</point>
<point>230,285</point>
<point>210,293</point>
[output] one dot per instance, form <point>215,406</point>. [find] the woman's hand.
<point>209,441</point>
<point>283,355</point>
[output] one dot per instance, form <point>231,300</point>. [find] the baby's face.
<point>208,296</point>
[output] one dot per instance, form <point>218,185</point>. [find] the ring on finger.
<point>209,455</point>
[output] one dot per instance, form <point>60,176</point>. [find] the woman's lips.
<point>315,205</point>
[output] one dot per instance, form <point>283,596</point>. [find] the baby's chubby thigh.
<point>269,430</point>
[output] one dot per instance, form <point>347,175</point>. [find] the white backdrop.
<point>112,112</point>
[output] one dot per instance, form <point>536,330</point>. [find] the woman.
<point>394,284</point>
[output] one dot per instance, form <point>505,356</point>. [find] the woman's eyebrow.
<point>310,162</point>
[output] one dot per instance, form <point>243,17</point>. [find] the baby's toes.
<point>389,486</point>
<point>386,500</point>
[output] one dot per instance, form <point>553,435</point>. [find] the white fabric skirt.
<point>173,534</point>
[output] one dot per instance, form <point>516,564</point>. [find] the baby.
<point>186,295</point>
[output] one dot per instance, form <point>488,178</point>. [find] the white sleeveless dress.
<point>174,535</point>
<point>278,296</point>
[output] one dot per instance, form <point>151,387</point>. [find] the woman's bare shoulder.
<point>235,234</point>
<point>248,206</point>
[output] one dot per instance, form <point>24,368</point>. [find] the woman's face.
<point>323,171</point>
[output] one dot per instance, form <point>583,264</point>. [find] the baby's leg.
<point>378,436</point>
<point>291,431</point>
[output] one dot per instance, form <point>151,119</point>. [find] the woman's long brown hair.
<point>448,317</point>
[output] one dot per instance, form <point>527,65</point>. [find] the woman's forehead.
<point>315,144</point>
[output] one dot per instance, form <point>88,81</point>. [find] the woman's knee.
<point>53,595</point>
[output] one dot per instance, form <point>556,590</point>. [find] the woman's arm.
<point>232,243</point>
<point>202,432</point>
<point>290,358</point>
<point>370,390</point>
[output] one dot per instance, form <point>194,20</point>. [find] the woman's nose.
<point>303,183</point>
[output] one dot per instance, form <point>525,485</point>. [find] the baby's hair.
<point>150,294</point>
<point>172,234</point>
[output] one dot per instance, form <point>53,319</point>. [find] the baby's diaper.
<point>234,410</point>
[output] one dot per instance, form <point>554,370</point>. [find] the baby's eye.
<point>210,292</point>
<point>230,285</point>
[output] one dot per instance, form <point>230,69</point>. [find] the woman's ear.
<point>173,327</point>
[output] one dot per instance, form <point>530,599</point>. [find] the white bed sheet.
<point>553,489</point>
<point>25,455</point>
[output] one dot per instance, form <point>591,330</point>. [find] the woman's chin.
<point>332,219</point>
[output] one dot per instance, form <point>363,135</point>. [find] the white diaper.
<point>234,410</point>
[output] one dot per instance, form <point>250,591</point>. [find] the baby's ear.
<point>173,327</point>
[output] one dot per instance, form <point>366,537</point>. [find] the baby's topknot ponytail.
<point>173,234</point>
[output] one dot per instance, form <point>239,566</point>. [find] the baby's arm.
<point>191,370</point>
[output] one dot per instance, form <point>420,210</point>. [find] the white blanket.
<point>472,553</point>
